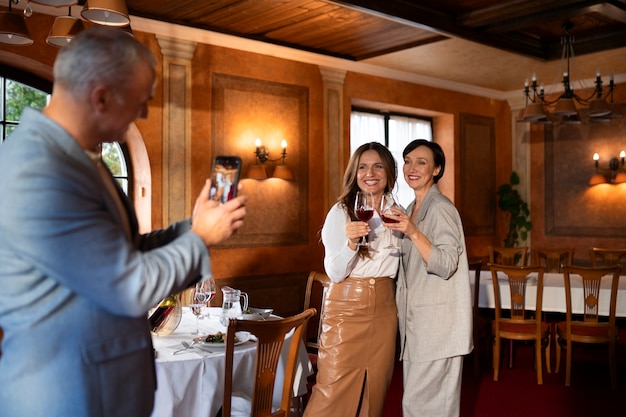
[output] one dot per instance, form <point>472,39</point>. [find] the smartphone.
<point>225,178</point>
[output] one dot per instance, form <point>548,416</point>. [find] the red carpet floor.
<point>517,393</point>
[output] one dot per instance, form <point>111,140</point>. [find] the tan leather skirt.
<point>357,348</point>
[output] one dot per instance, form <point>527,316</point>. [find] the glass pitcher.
<point>232,304</point>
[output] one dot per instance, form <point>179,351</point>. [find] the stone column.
<point>333,133</point>
<point>177,83</point>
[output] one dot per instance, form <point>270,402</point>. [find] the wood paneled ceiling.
<point>363,29</point>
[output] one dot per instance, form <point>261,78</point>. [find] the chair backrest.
<point>316,288</point>
<point>591,280</point>
<point>607,257</point>
<point>517,278</point>
<point>270,337</point>
<point>553,259</point>
<point>508,256</point>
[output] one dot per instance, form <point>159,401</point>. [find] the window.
<point>16,96</point>
<point>395,131</point>
<point>114,156</point>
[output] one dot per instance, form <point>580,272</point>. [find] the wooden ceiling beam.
<point>517,15</point>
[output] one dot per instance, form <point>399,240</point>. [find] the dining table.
<point>190,381</point>
<point>553,293</point>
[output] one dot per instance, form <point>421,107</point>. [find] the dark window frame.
<point>41,84</point>
<point>388,114</point>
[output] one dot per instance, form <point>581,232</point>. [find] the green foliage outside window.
<point>20,96</point>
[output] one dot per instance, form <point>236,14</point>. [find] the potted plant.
<point>512,203</point>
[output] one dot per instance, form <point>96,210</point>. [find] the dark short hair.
<point>438,155</point>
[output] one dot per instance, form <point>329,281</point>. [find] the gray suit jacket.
<point>74,287</point>
<point>434,299</point>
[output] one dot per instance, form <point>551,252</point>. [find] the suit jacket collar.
<point>433,193</point>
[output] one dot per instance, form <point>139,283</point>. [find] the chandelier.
<point>564,109</point>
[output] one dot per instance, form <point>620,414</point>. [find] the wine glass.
<point>196,309</point>
<point>210,288</point>
<point>200,296</point>
<point>364,210</point>
<point>387,202</point>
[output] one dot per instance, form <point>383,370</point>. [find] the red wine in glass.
<point>388,219</point>
<point>386,204</point>
<point>363,210</point>
<point>364,214</point>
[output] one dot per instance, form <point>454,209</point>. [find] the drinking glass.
<point>196,309</point>
<point>203,291</point>
<point>210,288</point>
<point>364,210</point>
<point>387,202</point>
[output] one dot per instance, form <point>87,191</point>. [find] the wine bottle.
<point>161,313</point>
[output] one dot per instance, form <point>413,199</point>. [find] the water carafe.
<point>232,304</point>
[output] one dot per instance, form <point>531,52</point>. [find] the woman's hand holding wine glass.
<point>364,210</point>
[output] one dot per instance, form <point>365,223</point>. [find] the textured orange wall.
<point>599,206</point>
<point>275,259</point>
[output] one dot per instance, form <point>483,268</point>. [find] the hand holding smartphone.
<point>225,178</point>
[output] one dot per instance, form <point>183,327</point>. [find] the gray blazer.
<point>434,300</point>
<point>74,287</point>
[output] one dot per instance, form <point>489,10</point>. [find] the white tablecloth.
<point>553,293</point>
<point>190,383</point>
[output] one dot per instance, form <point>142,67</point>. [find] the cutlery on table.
<point>186,346</point>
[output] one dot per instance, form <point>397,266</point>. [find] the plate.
<point>240,338</point>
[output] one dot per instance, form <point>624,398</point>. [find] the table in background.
<point>553,293</point>
<point>190,383</point>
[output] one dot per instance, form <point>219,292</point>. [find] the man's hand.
<point>213,222</point>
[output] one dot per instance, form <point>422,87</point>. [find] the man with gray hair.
<point>76,277</point>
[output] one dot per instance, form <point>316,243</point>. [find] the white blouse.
<point>341,262</point>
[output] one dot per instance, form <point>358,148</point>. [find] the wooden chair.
<point>481,325</point>
<point>316,288</point>
<point>587,328</point>
<point>519,324</point>
<point>607,257</point>
<point>270,335</point>
<point>553,259</point>
<point>508,256</point>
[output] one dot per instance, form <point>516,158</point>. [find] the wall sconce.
<point>614,174</point>
<point>258,172</point>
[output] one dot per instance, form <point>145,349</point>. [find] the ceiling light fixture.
<point>106,12</point>
<point>564,108</point>
<point>64,29</point>
<point>13,30</point>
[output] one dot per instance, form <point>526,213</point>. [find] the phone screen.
<point>225,178</point>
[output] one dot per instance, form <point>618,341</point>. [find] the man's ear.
<point>101,98</point>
